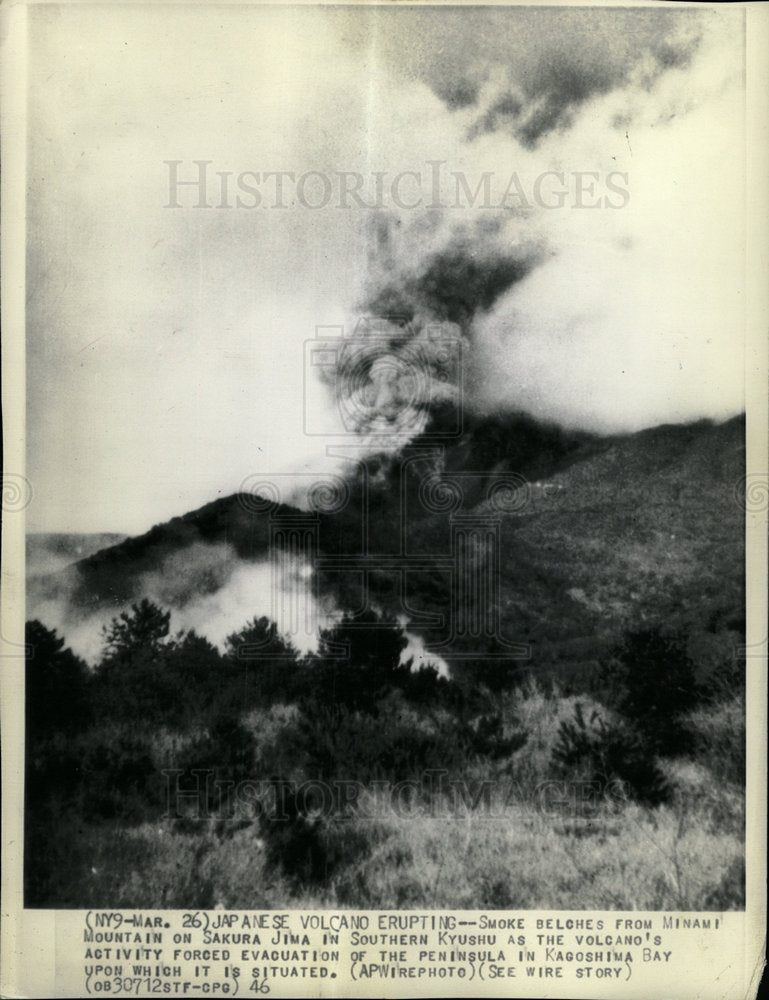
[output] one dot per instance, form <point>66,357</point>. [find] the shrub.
<point>729,893</point>
<point>604,751</point>
<point>103,773</point>
<point>224,756</point>
<point>311,846</point>
<point>717,734</point>
<point>119,778</point>
<point>651,681</point>
<point>337,743</point>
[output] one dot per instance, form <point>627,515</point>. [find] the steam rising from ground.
<point>209,589</point>
<point>420,655</point>
<point>284,593</point>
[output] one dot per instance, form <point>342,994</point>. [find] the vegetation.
<point>176,775</point>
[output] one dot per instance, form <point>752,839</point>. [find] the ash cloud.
<point>411,357</point>
<point>463,279</point>
<point>549,97</point>
<point>529,72</point>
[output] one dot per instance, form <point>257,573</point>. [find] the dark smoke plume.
<point>454,284</point>
<point>548,98</point>
<point>411,356</point>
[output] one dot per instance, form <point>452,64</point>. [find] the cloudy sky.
<point>345,148</point>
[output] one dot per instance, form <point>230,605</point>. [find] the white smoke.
<point>421,657</point>
<point>207,588</point>
<point>285,594</point>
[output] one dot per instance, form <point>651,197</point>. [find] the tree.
<point>359,662</point>
<point>262,663</point>
<point>144,629</point>
<point>259,640</point>
<point>133,679</point>
<point>57,684</point>
<point>655,683</point>
<point>366,641</point>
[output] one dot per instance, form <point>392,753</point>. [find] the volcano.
<point>565,539</point>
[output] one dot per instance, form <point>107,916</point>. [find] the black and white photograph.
<point>385,485</point>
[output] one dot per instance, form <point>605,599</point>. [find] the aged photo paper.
<point>384,499</point>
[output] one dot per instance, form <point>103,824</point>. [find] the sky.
<point>167,342</point>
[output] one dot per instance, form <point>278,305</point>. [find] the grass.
<point>686,855</point>
<point>625,858</point>
<point>540,840</point>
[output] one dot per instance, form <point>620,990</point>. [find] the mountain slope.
<point>603,534</point>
